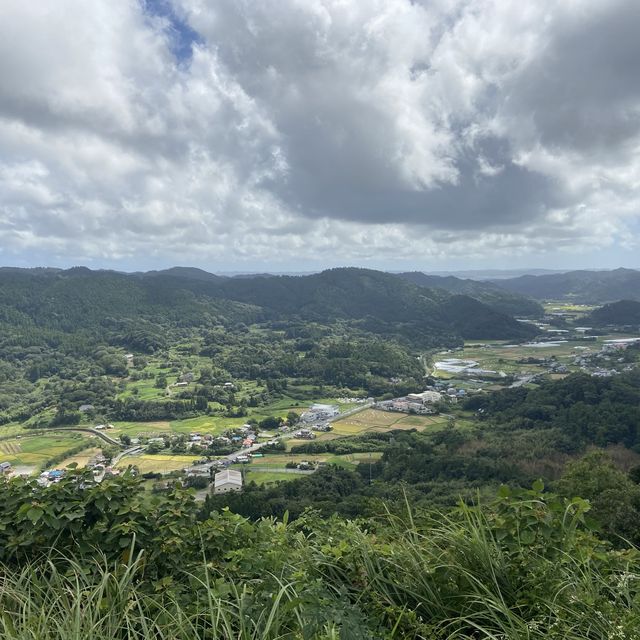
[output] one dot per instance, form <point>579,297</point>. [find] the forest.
<point>514,514</point>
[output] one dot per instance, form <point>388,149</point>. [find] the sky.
<point>293,135</point>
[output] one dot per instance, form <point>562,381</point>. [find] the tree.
<point>125,439</point>
<point>614,497</point>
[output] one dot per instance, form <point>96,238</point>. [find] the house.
<point>83,408</point>
<point>227,480</point>
<point>426,397</point>
<point>5,467</point>
<point>305,434</point>
<point>320,412</point>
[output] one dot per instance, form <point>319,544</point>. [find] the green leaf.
<point>538,486</point>
<point>34,514</point>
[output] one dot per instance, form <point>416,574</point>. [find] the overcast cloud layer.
<point>298,132</point>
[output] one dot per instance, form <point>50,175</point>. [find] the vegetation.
<point>578,286</point>
<point>83,561</point>
<point>621,313</point>
<point>491,294</point>
<point>387,526</point>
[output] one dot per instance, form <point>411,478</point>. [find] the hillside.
<point>624,312</point>
<point>587,287</point>
<point>381,303</point>
<point>490,294</point>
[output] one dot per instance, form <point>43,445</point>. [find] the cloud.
<point>297,131</point>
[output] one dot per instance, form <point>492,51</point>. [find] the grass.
<point>134,429</point>
<point>456,576</point>
<point>269,477</point>
<point>80,459</point>
<point>376,420</point>
<point>159,463</point>
<point>33,451</point>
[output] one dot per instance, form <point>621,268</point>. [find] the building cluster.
<point>420,403</point>
<point>318,413</point>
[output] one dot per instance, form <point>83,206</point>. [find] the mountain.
<point>624,312</point>
<point>383,302</point>
<point>493,296</point>
<point>378,302</point>
<point>588,287</point>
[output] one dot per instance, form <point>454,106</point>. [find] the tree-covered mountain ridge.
<point>490,294</point>
<point>380,302</point>
<point>588,287</point>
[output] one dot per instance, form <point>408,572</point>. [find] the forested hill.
<point>579,286</point>
<point>506,302</point>
<point>379,302</point>
<point>624,312</point>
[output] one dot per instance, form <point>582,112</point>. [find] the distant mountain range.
<point>378,302</point>
<point>492,295</point>
<point>588,287</point>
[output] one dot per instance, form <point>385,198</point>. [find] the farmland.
<point>158,463</point>
<point>375,420</point>
<point>33,451</point>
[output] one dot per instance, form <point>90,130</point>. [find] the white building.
<point>227,480</point>
<point>426,397</point>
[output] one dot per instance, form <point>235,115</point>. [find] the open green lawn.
<point>33,451</point>
<point>143,390</point>
<point>266,477</point>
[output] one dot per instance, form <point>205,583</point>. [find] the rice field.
<point>33,451</point>
<point>376,420</point>
<point>160,463</point>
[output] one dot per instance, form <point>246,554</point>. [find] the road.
<point>94,432</point>
<point>132,451</point>
<point>199,468</point>
<point>346,414</point>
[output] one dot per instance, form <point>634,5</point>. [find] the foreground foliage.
<point>81,561</point>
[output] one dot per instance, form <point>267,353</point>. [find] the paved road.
<point>346,414</point>
<point>127,452</point>
<point>94,432</point>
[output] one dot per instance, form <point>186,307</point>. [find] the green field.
<point>159,463</point>
<point>376,420</point>
<point>34,451</point>
<point>266,477</point>
<point>214,424</point>
<point>509,357</point>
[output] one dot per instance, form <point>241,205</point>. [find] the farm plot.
<point>34,451</point>
<point>159,463</point>
<point>80,459</point>
<point>376,420</point>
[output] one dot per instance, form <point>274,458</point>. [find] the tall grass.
<point>44,602</point>
<point>466,575</point>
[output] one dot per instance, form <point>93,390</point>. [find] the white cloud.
<point>303,132</point>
